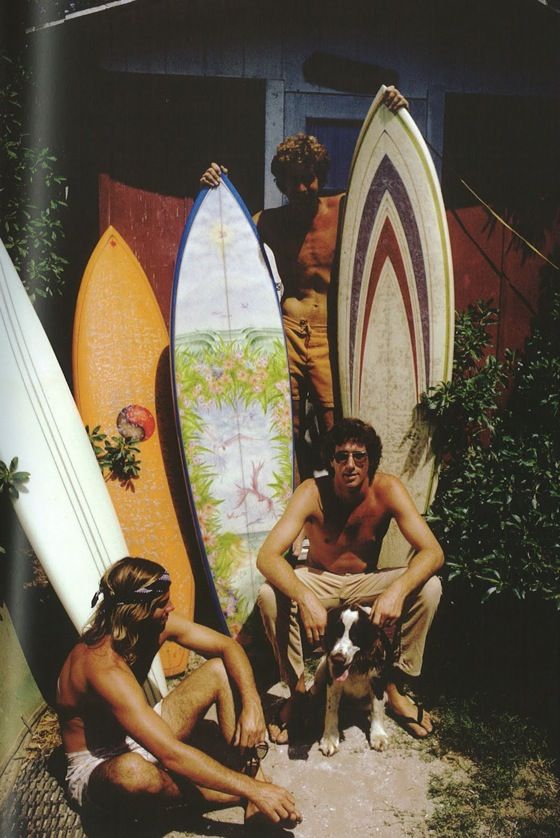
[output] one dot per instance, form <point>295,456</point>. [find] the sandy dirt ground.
<point>357,791</point>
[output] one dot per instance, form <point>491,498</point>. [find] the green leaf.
<point>497,510</point>
<point>12,480</point>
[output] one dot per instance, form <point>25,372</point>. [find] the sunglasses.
<point>261,750</point>
<point>254,757</point>
<point>359,457</point>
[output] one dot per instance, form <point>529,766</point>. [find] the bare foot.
<point>255,819</point>
<point>410,716</point>
<point>260,775</point>
<point>278,727</point>
<point>292,710</point>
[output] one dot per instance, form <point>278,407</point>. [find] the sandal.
<point>406,721</point>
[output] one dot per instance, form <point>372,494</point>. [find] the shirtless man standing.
<point>303,237</point>
<point>125,756</point>
<point>346,516</point>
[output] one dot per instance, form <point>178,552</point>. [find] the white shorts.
<point>81,764</point>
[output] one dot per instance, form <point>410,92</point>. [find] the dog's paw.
<point>379,741</point>
<point>329,745</point>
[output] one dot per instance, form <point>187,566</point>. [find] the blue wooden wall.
<point>435,47</point>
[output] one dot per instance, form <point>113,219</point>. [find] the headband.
<point>160,586</point>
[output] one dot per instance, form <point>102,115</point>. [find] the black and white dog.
<point>356,664</point>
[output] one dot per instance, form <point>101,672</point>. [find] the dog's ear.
<point>375,649</point>
<point>365,629</point>
<point>382,652</point>
<point>333,615</point>
<point>363,636</point>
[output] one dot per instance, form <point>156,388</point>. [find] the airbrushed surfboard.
<point>395,299</point>
<point>232,394</point>
<point>121,377</point>
<point>64,509</point>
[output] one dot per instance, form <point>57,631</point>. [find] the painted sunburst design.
<point>222,234</point>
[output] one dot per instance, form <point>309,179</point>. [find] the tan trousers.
<point>280,614</point>
<point>309,361</point>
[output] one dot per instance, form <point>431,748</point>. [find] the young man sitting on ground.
<point>125,756</point>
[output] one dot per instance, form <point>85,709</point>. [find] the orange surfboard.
<point>120,365</point>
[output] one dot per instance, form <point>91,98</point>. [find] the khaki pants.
<point>280,614</point>
<point>309,361</point>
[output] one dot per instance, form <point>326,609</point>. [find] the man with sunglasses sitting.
<point>346,515</point>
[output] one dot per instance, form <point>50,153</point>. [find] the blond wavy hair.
<point>302,150</point>
<point>121,611</point>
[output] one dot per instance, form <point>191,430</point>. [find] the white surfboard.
<point>64,509</point>
<point>396,299</point>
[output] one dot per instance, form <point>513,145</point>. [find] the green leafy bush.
<point>31,190</point>
<point>497,509</point>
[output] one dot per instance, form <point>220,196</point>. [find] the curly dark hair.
<point>120,611</point>
<point>353,430</point>
<point>304,151</point>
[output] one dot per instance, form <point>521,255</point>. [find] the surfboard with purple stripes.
<point>395,299</point>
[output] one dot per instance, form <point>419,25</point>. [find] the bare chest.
<point>317,249</point>
<point>347,543</point>
<point>305,253</point>
<point>357,530</point>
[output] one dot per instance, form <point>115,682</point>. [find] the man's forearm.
<point>280,574</point>
<point>422,566</point>
<point>239,670</point>
<point>203,770</point>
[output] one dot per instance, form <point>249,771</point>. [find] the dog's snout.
<point>344,649</point>
<point>338,657</point>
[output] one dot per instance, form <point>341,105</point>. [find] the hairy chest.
<point>359,532</point>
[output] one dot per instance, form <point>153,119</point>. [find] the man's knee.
<point>133,776</point>
<point>430,593</point>
<point>274,605</point>
<point>215,672</point>
<point>325,417</point>
<point>267,602</point>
